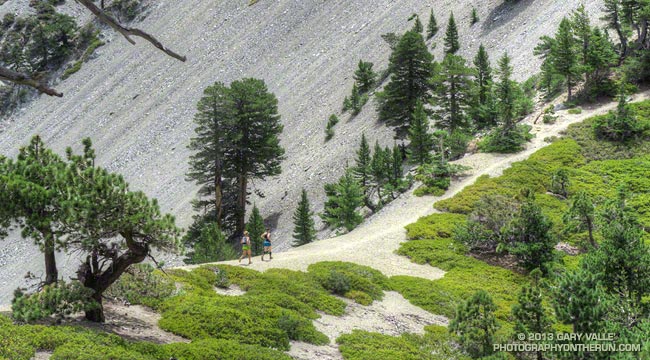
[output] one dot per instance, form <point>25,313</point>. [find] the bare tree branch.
<point>127,32</point>
<point>24,79</point>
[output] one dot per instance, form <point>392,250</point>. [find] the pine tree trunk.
<point>101,279</point>
<point>51,272</point>
<point>97,314</point>
<point>218,193</point>
<point>241,205</point>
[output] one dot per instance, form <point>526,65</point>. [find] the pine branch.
<point>24,79</point>
<point>126,31</point>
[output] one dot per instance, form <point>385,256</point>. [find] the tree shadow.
<point>502,14</point>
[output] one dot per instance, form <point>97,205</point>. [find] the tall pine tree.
<point>565,55</point>
<point>362,169</point>
<point>411,68</point>
<point>304,231</point>
<point>452,44</point>
<point>453,86</point>
<point>421,141</point>
<point>254,150</point>
<point>484,108</point>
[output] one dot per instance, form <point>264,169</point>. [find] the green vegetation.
<point>452,44</point>
<point>435,344</point>
<point>94,43</point>
<point>329,128</point>
<point>236,141</point>
<point>474,16</point>
<point>256,228</point>
<point>20,342</point>
<point>591,195</point>
<point>59,204</point>
<point>142,284</point>
<point>410,66</point>
<point>303,221</point>
<point>475,324</point>
<point>432,26</point>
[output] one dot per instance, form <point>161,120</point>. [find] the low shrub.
<point>501,140</point>
<point>435,226</point>
<point>59,299</point>
<point>575,111</point>
<point>142,284</point>
<point>435,344</point>
<point>360,278</point>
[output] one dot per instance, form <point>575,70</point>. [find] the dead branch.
<point>127,32</point>
<point>24,79</point>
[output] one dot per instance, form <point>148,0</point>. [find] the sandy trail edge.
<point>375,241</point>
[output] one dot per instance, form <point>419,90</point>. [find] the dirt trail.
<point>374,242</point>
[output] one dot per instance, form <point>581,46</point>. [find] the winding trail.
<point>375,241</point>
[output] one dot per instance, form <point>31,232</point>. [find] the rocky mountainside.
<point>137,105</point>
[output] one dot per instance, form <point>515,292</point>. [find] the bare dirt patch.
<point>135,323</point>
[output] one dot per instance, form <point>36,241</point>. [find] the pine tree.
<point>362,169</point>
<point>453,86</point>
<point>581,215</point>
<point>120,238</point>
<point>564,55</point>
<point>254,150</point>
<point>599,58</point>
<point>420,140</point>
<point>411,68</point>
<point>485,108</point>
<point>33,196</point>
<point>396,166</point>
<point>213,119</point>
<point>211,246</point>
<point>505,93</point>
<point>613,18</point>
<point>237,140</point>
<point>581,301</point>
<point>344,198</point>
<point>432,27</point>
<point>582,30</point>
<point>622,261</point>
<point>452,44</point>
<point>379,170</point>
<point>417,25</point>
<point>255,229</point>
<point>304,231</point>
<point>475,324</point>
<point>529,313</point>
<point>364,76</point>
<point>529,236</point>
<point>483,74</point>
<point>474,16</point>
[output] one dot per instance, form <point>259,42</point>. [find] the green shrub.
<point>60,299</point>
<point>435,226</point>
<point>359,297</point>
<point>142,284</point>
<point>435,344</point>
<point>501,140</point>
<point>338,283</point>
<point>360,278</point>
<point>423,190</point>
<point>575,111</point>
<point>221,350</point>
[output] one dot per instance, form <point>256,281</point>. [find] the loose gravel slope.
<point>137,105</point>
